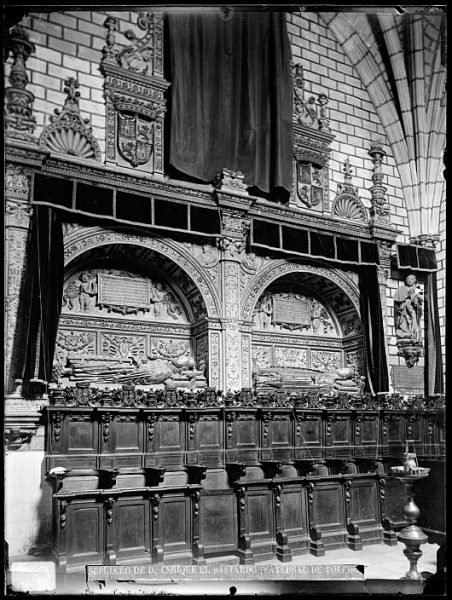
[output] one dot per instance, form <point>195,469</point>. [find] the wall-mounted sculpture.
<point>68,132</point>
<point>408,301</point>
<point>134,88</point>
<point>347,204</point>
<point>312,139</point>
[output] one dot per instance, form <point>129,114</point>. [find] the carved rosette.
<point>134,92</point>
<point>69,133</point>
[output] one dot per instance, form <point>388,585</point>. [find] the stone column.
<point>382,230</point>
<point>233,200</point>
<point>18,212</point>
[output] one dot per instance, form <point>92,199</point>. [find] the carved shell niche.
<point>350,208</point>
<point>69,133</point>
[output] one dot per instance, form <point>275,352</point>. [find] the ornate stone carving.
<point>351,325</point>
<point>311,183</point>
<point>246,360</point>
<point>232,361</point>
<point>291,311</point>
<point>380,211</point>
<point>347,204</point>
<point>113,290</point>
<point>408,301</point>
<point>134,92</point>
<point>232,181</point>
<point>324,360</point>
<point>208,256</point>
<point>306,112</point>
<point>17,183</point>
<point>276,268</point>
<point>19,120</point>
<point>290,357</point>
<point>122,346</point>
<point>175,252</point>
<point>68,133</point>
<point>262,357</point>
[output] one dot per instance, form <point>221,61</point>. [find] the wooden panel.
<point>218,527</point>
<point>293,511</point>
<point>260,515</point>
<point>309,436</point>
<point>131,520</point>
<point>339,440</point>
<point>366,435</point>
<point>79,434</point>
<point>85,531</point>
<point>128,434</point>
<point>395,500</point>
<point>328,507</point>
<point>208,434</point>
<point>363,502</point>
<point>245,431</point>
<point>174,522</point>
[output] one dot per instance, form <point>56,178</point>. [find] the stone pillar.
<point>18,212</point>
<point>232,198</point>
<point>382,230</point>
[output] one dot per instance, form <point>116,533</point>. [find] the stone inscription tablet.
<point>295,312</point>
<point>123,291</point>
<point>408,380</point>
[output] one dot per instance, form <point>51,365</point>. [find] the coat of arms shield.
<point>135,138</point>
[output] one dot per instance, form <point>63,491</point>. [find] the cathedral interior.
<point>225,283</point>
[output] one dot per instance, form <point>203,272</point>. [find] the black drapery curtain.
<point>231,97</point>
<point>46,272</point>
<point>433,358</point>
<point>372,321</point>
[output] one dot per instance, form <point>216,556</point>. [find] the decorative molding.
<point>347,204</point>
<point>68,133</point>
<point>230,181</point>
<point>19,120</point>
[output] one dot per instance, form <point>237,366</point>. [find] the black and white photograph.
<point>224,299</point>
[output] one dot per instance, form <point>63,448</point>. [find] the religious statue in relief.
<point>82,292</point>
<point>156,298</point>
<point>208,257</point>
<point>265,311</point>
<point>408,300</point>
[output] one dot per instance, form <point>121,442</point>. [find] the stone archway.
<point>187,298</point>
<point>331,342</point>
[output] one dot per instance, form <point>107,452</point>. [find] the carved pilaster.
<point>17,220</point>
<point>19,120</point>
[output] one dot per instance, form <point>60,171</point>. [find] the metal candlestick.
<point>411,535</point>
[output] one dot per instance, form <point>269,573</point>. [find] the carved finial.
<point>108,50</point>
<point>347,170</point>
<point>20,123</point>
<point>71,102</point>
<point>380,208</point>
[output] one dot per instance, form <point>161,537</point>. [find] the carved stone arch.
<point>81,239</point>
<point>275,269</point>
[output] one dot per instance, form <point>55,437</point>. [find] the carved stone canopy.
<point>68,133</point>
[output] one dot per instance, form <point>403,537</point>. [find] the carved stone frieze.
<point>325,360</point>
<point>354,360</point>
<point>81,321</point>
<point>17,183</point>
<point>69,133</point>
<point>232,358</point>
<point>246,360</point>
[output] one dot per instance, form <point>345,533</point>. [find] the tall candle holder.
<point>411,535</point>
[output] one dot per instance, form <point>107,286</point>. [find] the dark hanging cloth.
<point>46,271</point>
<point>231,97</point>
<point>372,321</point>
<point>433,371</point>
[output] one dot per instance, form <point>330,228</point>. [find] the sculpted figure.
<point>265,311</point>
<point>207,257</point>
<point>408,300</point>
<point>88,290</point>
<point>157,297</point>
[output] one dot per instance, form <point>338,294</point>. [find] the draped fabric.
<point>231,97</point>
<point>433,358</point>
<point>46,271</point>
<point>372,321</point>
